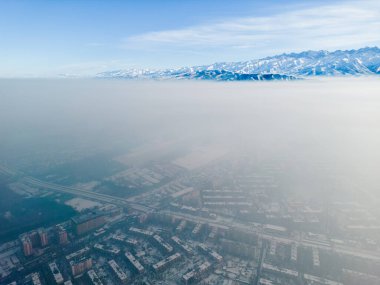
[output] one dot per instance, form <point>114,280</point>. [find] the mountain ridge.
<point>286,66</point>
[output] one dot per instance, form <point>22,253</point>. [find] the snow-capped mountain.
<point>231,76</point>
<point>365,61</point>
<point>311,63</point>
<point>191,73</point>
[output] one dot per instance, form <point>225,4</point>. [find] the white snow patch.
<point>80,204</point>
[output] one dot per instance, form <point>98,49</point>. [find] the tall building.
<point>61,235</point>
<point>88,222</point>
<point>27,245</point>
<point>43,237</point>
<point>34,238</point>
<point>81,265</point>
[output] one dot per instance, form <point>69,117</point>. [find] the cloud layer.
<point>336,26</point>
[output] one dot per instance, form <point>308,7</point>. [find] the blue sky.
<point>47,38</point>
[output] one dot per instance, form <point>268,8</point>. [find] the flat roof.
<point>56,273</point>
<point>113,249</point>
<point>86,217</point>
<point>94,277</point>
<point>321,280</point>
<point>167,260</point>
<point>189,275</point>
<point>36,278</point>
<point>182,244</point>
<point>280,269</point>
<point>164,244</point>
<point>77,253</point>
<point>204,266</point>
<point>141,231</point>
<point>116,268</point>
<point>274,228</point>
<point>82,259</point>
<point>194,273</point>
<point>134,261</point>
<point>181,225</point>
<point>263,281</point>
<point>211,252</point>
<point>197,228</point>
<point>124,238</point>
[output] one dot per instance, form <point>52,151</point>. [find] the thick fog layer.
<point>324,133</point>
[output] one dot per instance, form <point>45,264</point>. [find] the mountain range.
<point>364,61</point>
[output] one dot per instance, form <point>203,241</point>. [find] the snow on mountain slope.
<point>365,61</point>
<point>311,63</point>
<point>219,75</point>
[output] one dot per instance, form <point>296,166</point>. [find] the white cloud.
<point>345,25</point>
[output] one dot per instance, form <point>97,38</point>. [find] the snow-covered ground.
<point>80,204</point>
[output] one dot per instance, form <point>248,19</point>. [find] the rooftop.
<point>116,268</point>
<point>56,273</point>
<point>94,277</point>
<point>165,261</point>
<point>86,217</point>
<point>134,261</point>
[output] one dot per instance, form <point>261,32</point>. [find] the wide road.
<point>33,182</point>
<point>85,193</point>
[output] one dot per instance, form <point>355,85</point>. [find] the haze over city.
<point>189,142</point>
